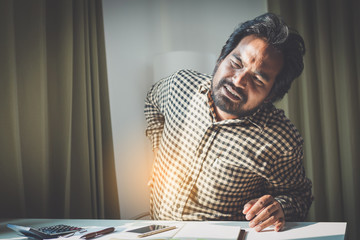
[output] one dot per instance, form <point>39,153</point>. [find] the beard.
<point>227,105</point>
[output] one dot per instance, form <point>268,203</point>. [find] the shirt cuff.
<point>285,203</point>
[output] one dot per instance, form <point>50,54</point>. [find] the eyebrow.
<point>237,57</point>
<point>257,72</point>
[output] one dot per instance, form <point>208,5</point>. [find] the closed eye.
<point>236,62</point>
<point>257,81</point>
<point>235,65</point>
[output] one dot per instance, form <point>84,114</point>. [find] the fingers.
<point>248,206</point>
<point>279,225</point>
<point>275,219</point>
<point>260,204</point>
<point>264,212</point>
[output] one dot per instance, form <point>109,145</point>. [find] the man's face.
<point>243,80</point>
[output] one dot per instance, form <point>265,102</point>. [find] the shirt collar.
<point>205,86</point>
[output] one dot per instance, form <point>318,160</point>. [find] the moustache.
<point>239,91</point>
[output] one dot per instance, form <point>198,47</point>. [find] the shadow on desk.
<point>334,237</point>
<point>295,225</point>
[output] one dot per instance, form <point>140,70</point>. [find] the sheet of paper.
<point>296,231</point>
<point>208,230</point>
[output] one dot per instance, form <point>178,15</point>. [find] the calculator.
<point>45,232</point>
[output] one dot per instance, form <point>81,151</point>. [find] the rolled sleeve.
<point>290,187</point>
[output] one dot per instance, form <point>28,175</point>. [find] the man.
<point>222,150</point>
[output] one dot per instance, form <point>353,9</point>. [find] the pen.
<point>98,233</point>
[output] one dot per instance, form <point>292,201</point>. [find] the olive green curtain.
<point>324,103</point>
<point>56,150</point>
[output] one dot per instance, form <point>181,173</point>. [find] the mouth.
<point>231,93</point>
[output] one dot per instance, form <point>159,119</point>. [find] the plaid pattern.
<point>207,170</point>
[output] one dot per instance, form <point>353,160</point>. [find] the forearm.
<point>296,207</point>
<point>291,188</point>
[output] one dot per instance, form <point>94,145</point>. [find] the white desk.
<point>294,230</point>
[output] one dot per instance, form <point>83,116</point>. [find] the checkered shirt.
<point>207,169</point>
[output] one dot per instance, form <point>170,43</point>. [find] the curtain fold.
<point>324,104</point>
<point>56,151</point>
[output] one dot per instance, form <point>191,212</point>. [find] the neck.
<point>221,115</point>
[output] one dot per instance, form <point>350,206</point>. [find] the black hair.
<point>276,33</point>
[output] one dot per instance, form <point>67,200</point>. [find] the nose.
<point>240,79</point>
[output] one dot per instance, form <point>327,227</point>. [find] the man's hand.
<point>264,212</point>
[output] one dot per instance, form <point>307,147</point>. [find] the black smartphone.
<point>151,229</point>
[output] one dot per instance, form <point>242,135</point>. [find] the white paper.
<point>209,230</point>
<point>296,231</point>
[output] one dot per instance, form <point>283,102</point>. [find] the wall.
<point>136,31</point>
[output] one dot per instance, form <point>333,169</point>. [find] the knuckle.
<point>272,218</point>
<point>268,211</point>
<point>265,200</point>
<point>275,207</point>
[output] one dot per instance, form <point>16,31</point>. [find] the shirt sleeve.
<point>155,108</point>
<point>290,187</point>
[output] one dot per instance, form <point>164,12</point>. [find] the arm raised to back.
<point>155,107</point>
